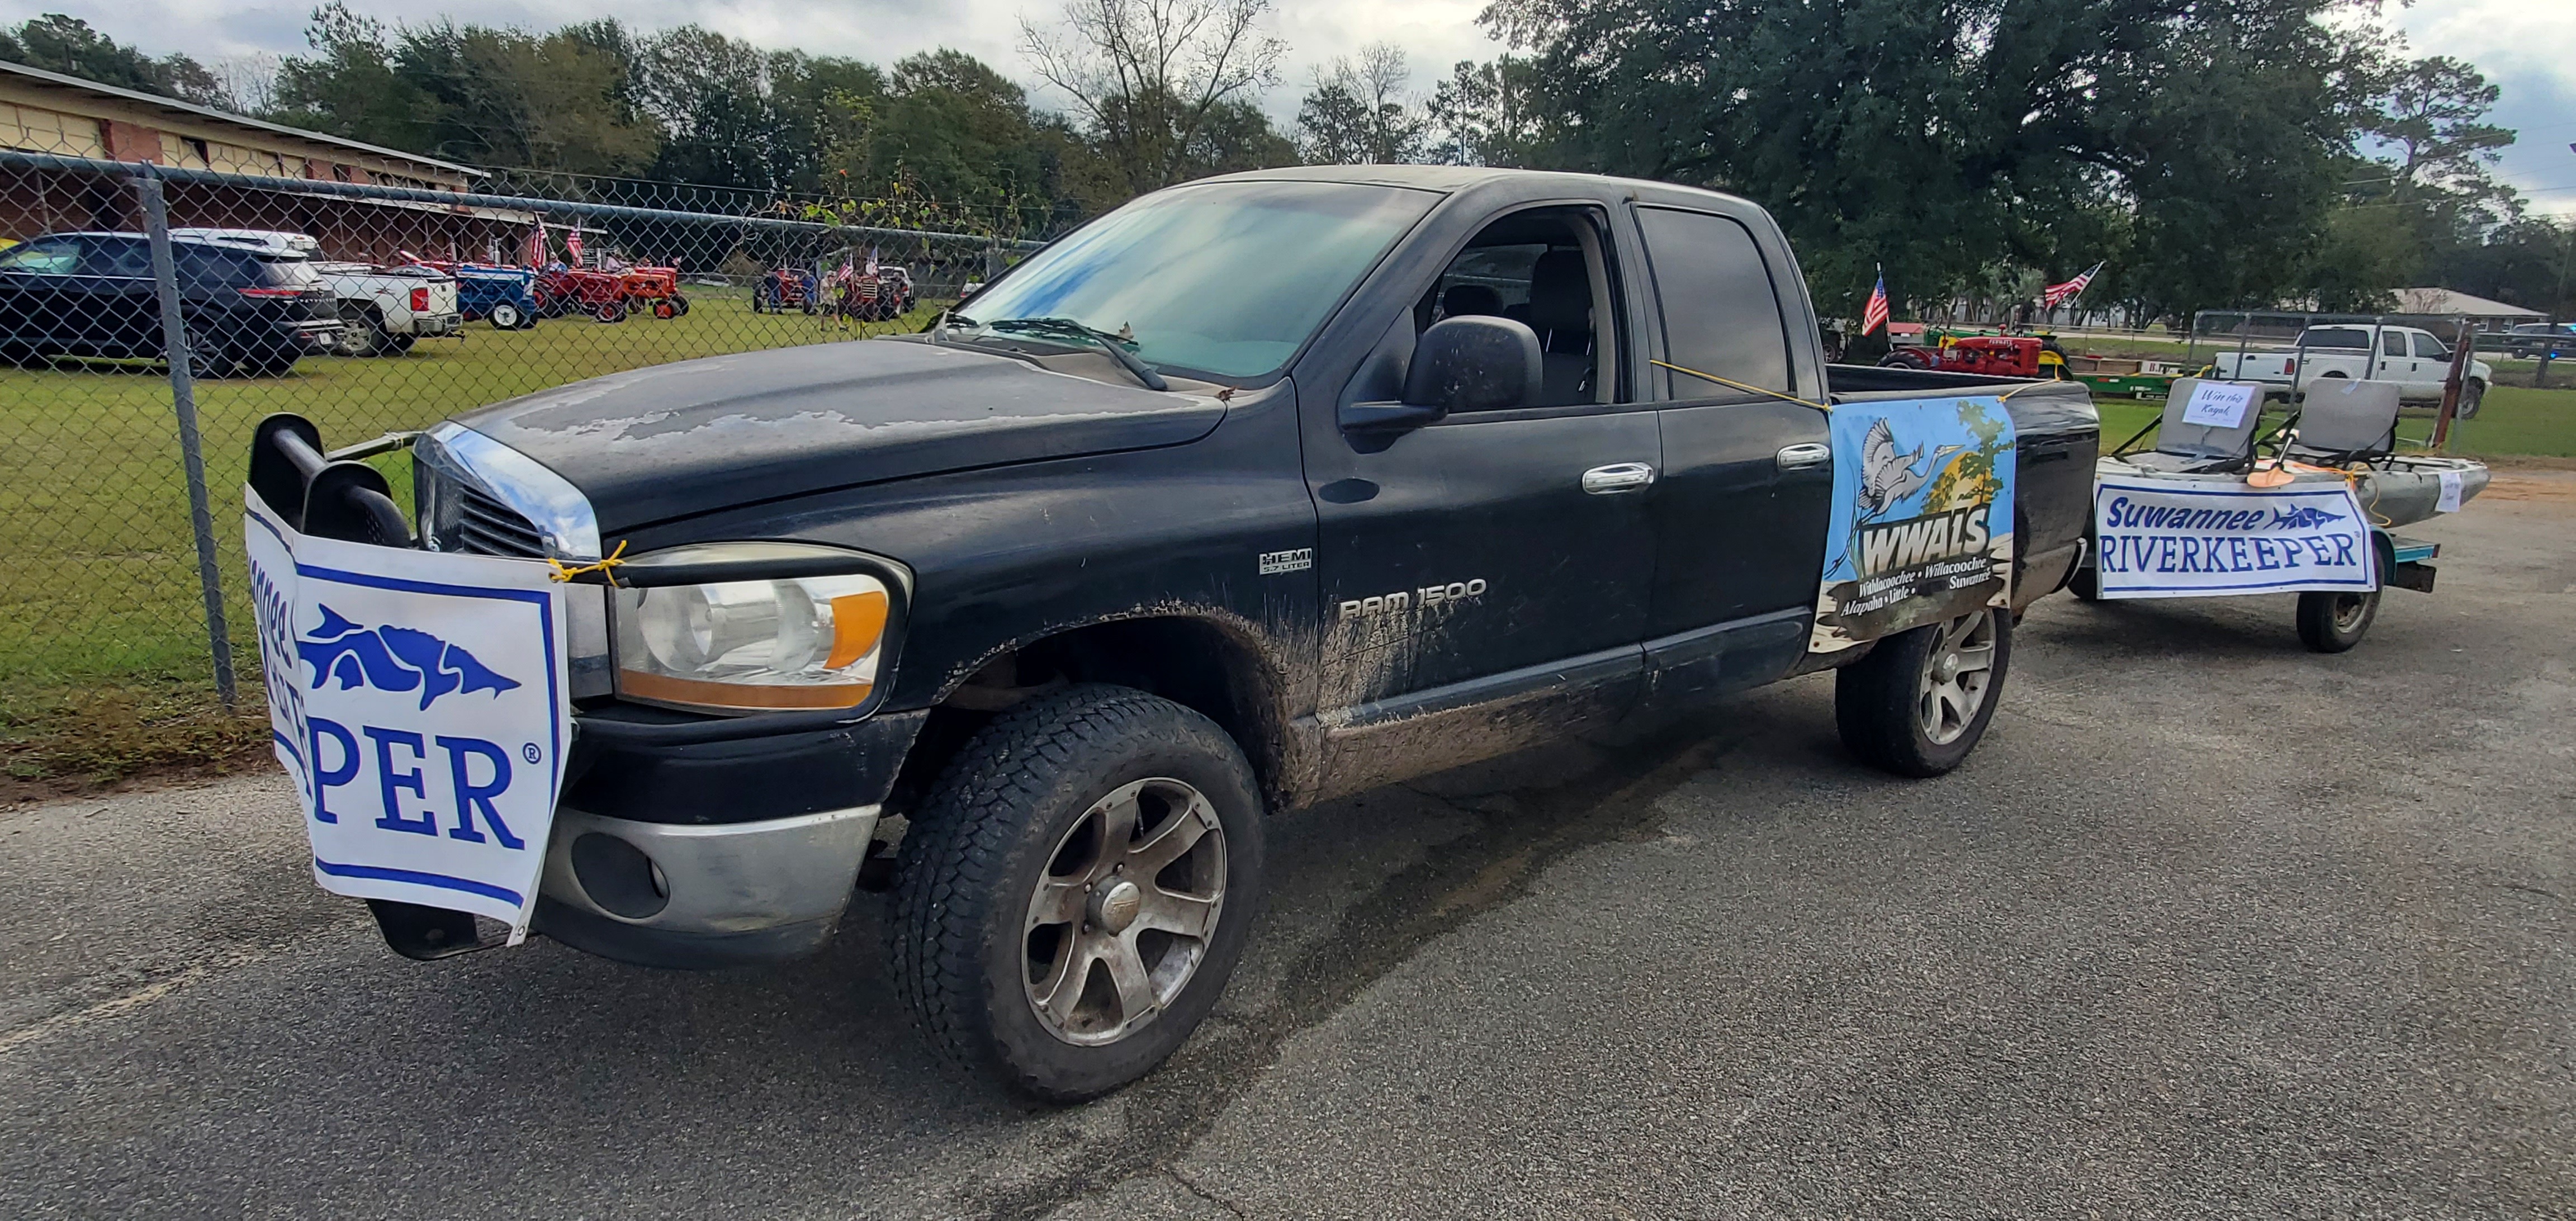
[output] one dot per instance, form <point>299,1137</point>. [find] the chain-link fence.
<point>367,308</point>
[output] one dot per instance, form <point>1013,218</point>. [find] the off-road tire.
<point>977,845</point>
<point>2327,625</point>
<point>1878,702</point>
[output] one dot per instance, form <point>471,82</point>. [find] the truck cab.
<point>1254,492</point>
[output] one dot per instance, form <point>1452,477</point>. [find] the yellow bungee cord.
<point>605,566</point>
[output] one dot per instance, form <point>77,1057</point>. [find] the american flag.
<point>537,247</point>
<point>572,243</point>
<point>1874,315</point>
<point>2054,294</point>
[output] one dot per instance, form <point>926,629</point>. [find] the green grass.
<point>2516,422</point>
<point>102,635</point>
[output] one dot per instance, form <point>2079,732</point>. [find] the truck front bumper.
<point>670,895</point>
<point>671,850</point>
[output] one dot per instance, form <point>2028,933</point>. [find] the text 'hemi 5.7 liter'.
<point>1251,493</point>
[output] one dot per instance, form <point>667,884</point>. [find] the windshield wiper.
<point>1068,328</point>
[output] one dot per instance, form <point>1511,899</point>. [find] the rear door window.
<point>45,256</point>
<point>122,257</point>
<point>1721,311</point>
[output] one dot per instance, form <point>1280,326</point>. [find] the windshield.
<point>1228,279</point>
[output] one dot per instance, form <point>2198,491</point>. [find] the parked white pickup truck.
<point>2414,359</point>
<point>383,310</point>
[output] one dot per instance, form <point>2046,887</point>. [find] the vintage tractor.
<point>1983,355</point>
<point>653,288</point>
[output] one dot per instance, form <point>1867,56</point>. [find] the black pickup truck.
<point>1253,492</point>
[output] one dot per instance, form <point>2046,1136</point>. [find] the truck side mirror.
<point>1471,363</point>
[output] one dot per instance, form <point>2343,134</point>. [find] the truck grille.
<point>464,518</point>
<point>485,526</point>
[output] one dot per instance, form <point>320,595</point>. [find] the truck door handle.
<point>1618,477</point>
<point>1801,456</point>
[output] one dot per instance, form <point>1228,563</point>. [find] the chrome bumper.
<point>667,894</point>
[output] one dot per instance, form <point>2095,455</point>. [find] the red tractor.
<point>565,290</point>
<point>1983,355</point>
<point>654,288</point>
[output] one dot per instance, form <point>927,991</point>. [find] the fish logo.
<point>2302,517</point>
<point>392,658</point>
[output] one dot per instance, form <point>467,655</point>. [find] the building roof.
<point>209,113</point>
<point>2447,301</point>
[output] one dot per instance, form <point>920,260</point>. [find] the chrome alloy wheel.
<point>1124,911</point>
<point>1957,673</point>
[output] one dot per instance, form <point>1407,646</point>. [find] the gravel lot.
<point>2210,925</point>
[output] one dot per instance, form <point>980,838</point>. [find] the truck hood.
<point>677,440</point>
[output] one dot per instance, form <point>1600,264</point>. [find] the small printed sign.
<point>418,700</point>
<point>2158,539</point>
<point>2449,499</point>
<point>2218,405</point>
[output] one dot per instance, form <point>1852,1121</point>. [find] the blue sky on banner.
<point>2528,47</point>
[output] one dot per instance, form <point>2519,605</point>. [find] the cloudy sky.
<point>2526,46</point>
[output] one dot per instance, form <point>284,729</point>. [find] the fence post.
<point>192,452</point>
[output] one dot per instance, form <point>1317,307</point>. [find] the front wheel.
<point>1075,889</point>
<point>1920,701</point>
<point>504,316</point>
<point>2332,621</point>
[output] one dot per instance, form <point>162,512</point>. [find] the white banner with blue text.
<point>419,701</point>
<point>2178,539</point>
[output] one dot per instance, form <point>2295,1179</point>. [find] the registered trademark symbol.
<point>530,752</point>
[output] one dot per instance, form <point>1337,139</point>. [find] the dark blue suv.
<point>250,313</point>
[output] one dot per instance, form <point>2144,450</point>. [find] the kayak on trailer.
<point>2399,490</point>
<point>2206,513</point>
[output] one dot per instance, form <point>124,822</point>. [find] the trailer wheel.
<point>2333,620</point>
<point>1921,700</point>
<point>2086,583</point>
<point>1075,889</point>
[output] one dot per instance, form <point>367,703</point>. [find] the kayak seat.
<point>2346,421</point>
<point>2187,448</point>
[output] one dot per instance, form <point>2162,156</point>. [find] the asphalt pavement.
<point>2210,925</point>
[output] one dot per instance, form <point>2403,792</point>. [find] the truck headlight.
<point>771,643</point>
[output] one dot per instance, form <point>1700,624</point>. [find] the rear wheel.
<point>1921,700</point>
<point>2472,397</point>
<point>610,311</point>
<point>2333,620</point>
<point>362,333</point>
<point>1076,889</point>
